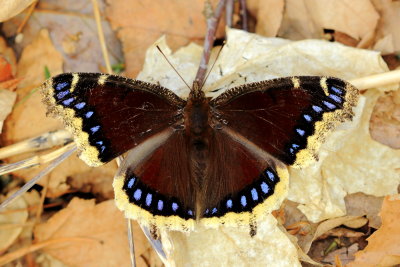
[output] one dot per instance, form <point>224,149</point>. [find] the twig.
<point>229,13</point>
<point>71,148</point>
<point>38,143</point>
<point>101,35</point>
<point>212,24</point>
<point>26,18</point>
<point>243,14</point>
<point>377,80</point>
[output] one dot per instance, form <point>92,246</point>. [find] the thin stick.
<point>26,18</point>
<point>101,35</point>
<point>131,242</point>
<point>243,14</point>
<point>33,181</point>
<point>37,143</point>
<point>377,80</point>
<point>212,24</point>
<point>229,13</point>
<point>34,161</point>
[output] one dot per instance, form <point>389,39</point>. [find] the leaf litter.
<point>327,184</point>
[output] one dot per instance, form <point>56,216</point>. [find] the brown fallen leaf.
<point>344,254</point>
<point>269,15</point>
<point>103,225</point>
<point>359,204</point>
<point>385,120</point>
<point>307,18</point>
<point>388,35</point>
<point>11,223</point>
<point>151,20</point>
<point>383,247</point>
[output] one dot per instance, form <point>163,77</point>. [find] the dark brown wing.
<point>110,114</point>
<point>289,117</point>
<point>155,185</point>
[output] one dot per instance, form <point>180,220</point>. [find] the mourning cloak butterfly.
<point>215,161</point>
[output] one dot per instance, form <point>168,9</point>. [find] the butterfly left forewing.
<point>109,114</point>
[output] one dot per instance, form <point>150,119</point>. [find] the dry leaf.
<point>10,8</point>
<point>153,18</point>
<point>11,223</point>
<point>7,100</point>
<point>307,18</point>
<point>269,15</point>
<point>383,246</point>
<point>102,225</point>
<point>388,35</point>
<point>385,120</point>
<point>345,255</point>
<point>73,31</point>
<point>360,204</point>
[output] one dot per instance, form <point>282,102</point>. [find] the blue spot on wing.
<point>317,109</point>
<point>62,94</point>
<point>131,182</point>
<point>160,205</point>
<point>335,98</point>
<point>337,90</point>
<point>307,117</point>
<point>229,203</point>
<point>300,131</point>
<point>68,101</point>
<point>264,187</point>
<point>89,114</point>
<point>148,199</point>
<point>61,86</point>
<point>80,105</point>
<point>329,104</point>
<point>174,206</point>
<point>95,128</point>
<point>243,201</point>
<point>138,194</point>
<point>254,194</point>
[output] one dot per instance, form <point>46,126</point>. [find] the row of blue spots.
<point>254,194</point>
<point>137,195</point>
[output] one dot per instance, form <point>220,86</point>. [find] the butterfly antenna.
<point>159,49</point>
<point>208,74</point>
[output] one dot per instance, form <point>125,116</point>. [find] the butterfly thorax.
<point>197,133</point>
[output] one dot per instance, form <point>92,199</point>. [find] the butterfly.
<point>212,161</point>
